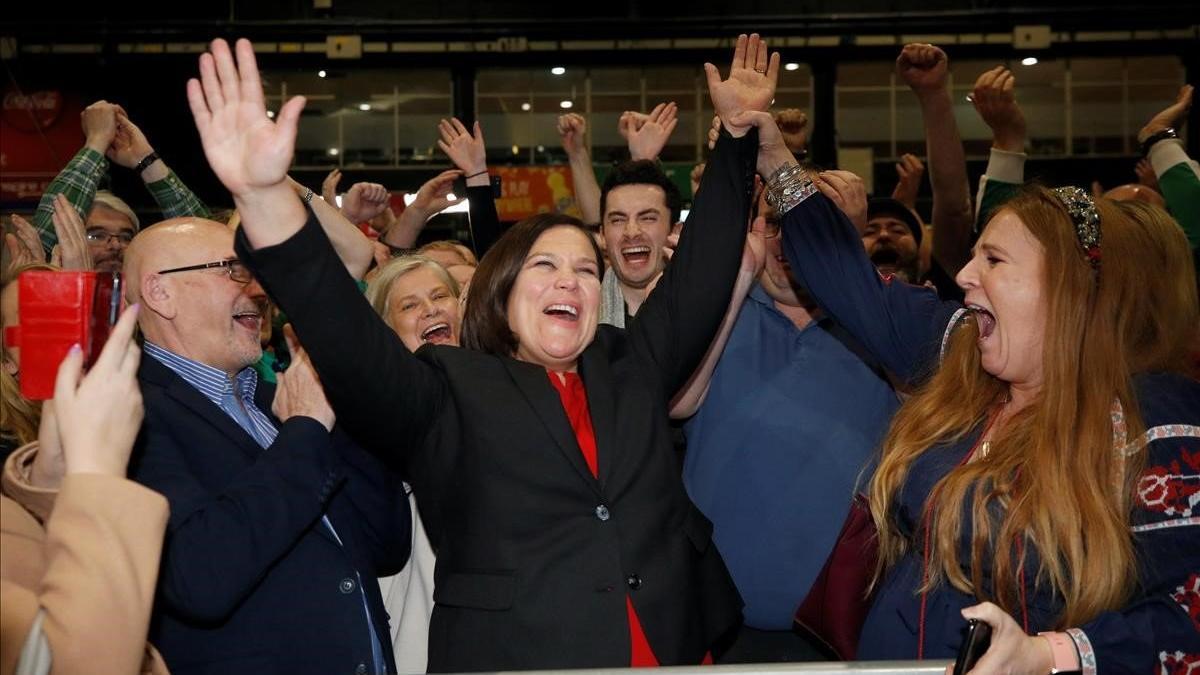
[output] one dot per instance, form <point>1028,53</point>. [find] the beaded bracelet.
<point>789,186</point>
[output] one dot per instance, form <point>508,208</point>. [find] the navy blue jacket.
<point>251,581</point>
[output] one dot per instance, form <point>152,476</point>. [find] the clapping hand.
<point>1173,116</point>
<point>923,68</point>
<point>750,86</point>
<point>129,145</point>
<point>434,196</point>
<point>299,392</point>
<point>24,245</point>
<point>648,134</point>
<point>72,251</point>
<point>99,123</point>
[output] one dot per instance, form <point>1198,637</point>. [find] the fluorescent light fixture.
<point>459,205</point>
<point>558,70</point>
<point>1029,61</point>
<point>526,107</point>
<point>321,73</point>
<point>364,106</point>
<point>565,105</point>
<point>791,66</point>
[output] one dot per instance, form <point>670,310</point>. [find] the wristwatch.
<point>1156,137</point>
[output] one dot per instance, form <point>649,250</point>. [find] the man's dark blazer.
<point>251,580</point>
<point>535,555</point>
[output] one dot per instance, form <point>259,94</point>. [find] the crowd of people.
<point>309,445</point>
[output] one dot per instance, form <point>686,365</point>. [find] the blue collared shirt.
<point>225,393</point>
<point>790,419</point>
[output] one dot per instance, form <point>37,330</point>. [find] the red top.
<point>574,400</point>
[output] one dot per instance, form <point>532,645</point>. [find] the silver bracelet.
<point>308,196</point>
<point>789,186</point>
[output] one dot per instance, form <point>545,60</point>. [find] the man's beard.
<point>889,260</point>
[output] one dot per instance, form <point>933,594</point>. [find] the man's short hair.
<point>642,172</point>
<point>886,206</point>
<point>109,200</point>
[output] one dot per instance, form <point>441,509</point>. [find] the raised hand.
<point>130,145</point>
<point>433,196</point>
<point>750,85</point>
<point>247,151</point>
<point>572,129</point>
<point>1173,116</point>
<point>99,414</point>
<point>996,102</point>
<point>72,252</point>
<point>647,137</point>
<point>298,392</point>
<point>99,123</point>
<point>793,123</point>
<point>923,68</point>
<point>24,245</point>
<point>911,171</point>
<point>772,153</point>
<point>1146,175</point>
<point>467,151</point>
<point>364,201</point>
<point>329,187</point>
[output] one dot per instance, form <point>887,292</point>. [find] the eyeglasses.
<point>236,269</point>
<point>104,236</point>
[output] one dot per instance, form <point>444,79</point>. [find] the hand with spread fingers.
<point>995,100</point>
<point>911,171</point>
<point>1171,117</point>
<point>468,151</point>
<point>647,136</point>
<point>750,86</point>
<point>71,252</point>
<point>99,413</point>
<point>923,67</point>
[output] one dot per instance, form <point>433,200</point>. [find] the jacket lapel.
<point>187,396</point>
<point>598,382</point>
<point>534,384</point>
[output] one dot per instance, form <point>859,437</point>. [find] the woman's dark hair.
<point>485,323</point>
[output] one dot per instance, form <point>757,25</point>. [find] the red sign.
<point>528,191</point>
<point>39,133</point>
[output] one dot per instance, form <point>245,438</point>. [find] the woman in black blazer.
<point>542,558</point>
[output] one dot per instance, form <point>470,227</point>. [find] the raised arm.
<point>1178,174</point>
<point>431,199</point>
<point>994,98</point>
<point>923,67</point>
<point>132,150</point>
<point>901,325</point>
<point>572,129</point>
<point>382,393</point>
<point>676,324</point>
<point>468,151</point>
<point>352,246</point>
<point>79,179</point>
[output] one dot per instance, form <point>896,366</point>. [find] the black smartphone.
<point>977,641</point>
<point>105,310</point>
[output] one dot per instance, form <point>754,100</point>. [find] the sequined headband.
<point>1083,214</point>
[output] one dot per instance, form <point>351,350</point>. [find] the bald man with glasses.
<point>279,523</point>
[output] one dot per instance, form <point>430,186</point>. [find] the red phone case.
<point>55,310</point>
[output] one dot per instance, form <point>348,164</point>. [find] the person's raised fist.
<point>923,67</point>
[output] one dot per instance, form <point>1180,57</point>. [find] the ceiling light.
<point>792,66</point>
<point>271,114</point>
<point>526,107</point>
<point>333,152</point>
<point>364,106</point>
<point>1029,61</point>
<point>321,73</point>
<point>558,70</point>
<point>565,105</point>
<point>516,150</point>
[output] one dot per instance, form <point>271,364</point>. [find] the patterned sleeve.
<point>77,182</point>
<point>1159,631</point>
<point>176,199</point>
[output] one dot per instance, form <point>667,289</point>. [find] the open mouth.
<point>886,257</point>
<point>636,255</point>
<point>251,320</point>
<point>438,333</point>
<point>985,319</point>
<point>563,312</point>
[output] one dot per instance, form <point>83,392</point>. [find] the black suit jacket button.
<point>602,512</point>
<point>633,581</point>
<point>346,585</point>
